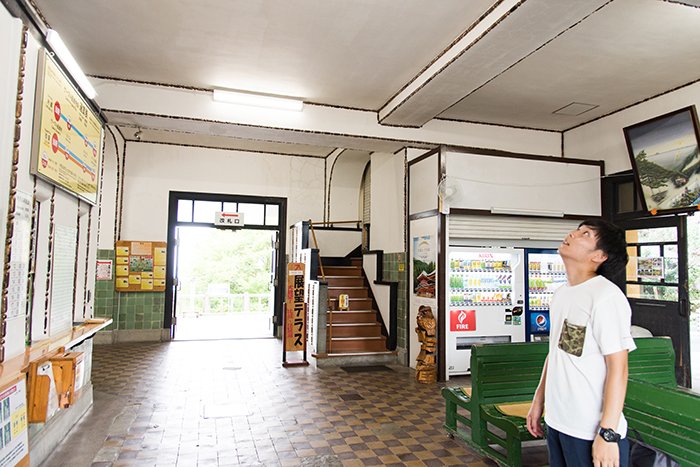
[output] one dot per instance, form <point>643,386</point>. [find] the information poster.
<point>68,135</point>
<point>140,266</point>
<point>104,269</point>
<point>424,261</point>
<point>19,260</point>
<point>295,319</point>
<point>14,440</point>
<point>63,278</point>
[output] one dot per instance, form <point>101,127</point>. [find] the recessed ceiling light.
<point>257,100</point>
<point>574,109</point>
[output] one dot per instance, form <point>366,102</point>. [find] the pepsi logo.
<point>541,320</point>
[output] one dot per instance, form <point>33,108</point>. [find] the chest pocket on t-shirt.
<point>572,338</point>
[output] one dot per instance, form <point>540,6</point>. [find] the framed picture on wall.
<point>665,160</point>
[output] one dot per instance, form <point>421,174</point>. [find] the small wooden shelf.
<point>13,368</point>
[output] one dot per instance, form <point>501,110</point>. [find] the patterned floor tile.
<point>264,414</point>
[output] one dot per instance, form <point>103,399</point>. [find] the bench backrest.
<point>506,372</point>
<point>511,372</point>
<point>667,418</point>
<point>653,361</point>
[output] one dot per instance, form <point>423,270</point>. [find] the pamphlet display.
<point>140,266</point>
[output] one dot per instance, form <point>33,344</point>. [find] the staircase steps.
<point>354,304</point>
<point>352,316</point>
<point>356,332</point>
<point>352,292</point>
<point>345,281</point>
<point>359,344</point>
<point>355,271</point>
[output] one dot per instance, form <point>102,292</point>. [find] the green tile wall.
<point>391,265</point>
<point>129,310</point>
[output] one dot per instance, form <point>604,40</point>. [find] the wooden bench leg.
<point>450,415</point>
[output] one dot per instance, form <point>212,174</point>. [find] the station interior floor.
<point>230,402</point>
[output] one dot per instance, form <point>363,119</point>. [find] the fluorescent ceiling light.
<point>69,62</point>
<point>527,212</point>
<point>258,100</point>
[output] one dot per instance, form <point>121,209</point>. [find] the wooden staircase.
<point>356,330</point>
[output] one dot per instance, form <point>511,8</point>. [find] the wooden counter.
<point>13,368</point>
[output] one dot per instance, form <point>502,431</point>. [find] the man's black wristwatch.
<point>609,435</point>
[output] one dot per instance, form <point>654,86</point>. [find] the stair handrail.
<point>357,223</point>
<point>320,261</point>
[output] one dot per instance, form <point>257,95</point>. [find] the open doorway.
<point>225,288</point>
<point>230,271</point>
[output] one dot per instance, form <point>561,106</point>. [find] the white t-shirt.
<point>574,386</point>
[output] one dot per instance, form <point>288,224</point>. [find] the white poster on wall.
<point>63,277</point>
<point>424,266</point>
<point>14,441</point>
<point>19,257</point>
<point>424,275</point>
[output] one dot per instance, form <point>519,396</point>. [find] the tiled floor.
<point>209,403</point>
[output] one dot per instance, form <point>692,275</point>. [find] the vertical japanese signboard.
<point>295,319</point>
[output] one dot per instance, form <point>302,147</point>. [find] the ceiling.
<point>504,62</point>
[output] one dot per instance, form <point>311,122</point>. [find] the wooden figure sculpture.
<point>426,371</point>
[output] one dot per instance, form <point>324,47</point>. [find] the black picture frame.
<point>665,156</point>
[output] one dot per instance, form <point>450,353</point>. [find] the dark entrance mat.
<point>363,369</point>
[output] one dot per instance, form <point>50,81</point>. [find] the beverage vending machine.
<point>485,301</point>
<point>545,274</point>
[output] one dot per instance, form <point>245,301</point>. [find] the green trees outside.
<point>215,262</point>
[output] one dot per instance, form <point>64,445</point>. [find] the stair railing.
<point>323,274</point>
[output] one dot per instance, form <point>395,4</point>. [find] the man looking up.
<point>584,379</point>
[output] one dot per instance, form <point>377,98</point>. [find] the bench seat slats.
<point>511,373</point>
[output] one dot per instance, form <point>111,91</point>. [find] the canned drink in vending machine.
<point>343,302</point>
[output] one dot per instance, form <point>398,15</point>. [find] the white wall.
<point>113,144</point>
<point>345,181</point>
<point>65,206</point>
<point>604,138</point>
<point>387,195</point>
<point>328,126</point>
<point>153,170</point>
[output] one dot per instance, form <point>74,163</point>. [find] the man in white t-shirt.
<point>584,379</point>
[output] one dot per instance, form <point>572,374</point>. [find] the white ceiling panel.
<point>347,53</point>
<point>628,51</point>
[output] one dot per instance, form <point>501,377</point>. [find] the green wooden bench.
<point>500,373</point>
<point>667,418</point>
<point>504,373</point>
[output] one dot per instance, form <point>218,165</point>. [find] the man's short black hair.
<point>611,241</point>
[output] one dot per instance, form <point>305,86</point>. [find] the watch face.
<point>609,435</point>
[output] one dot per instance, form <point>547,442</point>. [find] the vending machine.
<point>545,274</point>
<point>485,301</point>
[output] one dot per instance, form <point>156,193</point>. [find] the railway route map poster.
<point>67,142</point>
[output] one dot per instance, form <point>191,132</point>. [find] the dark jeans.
<point>567,451</point>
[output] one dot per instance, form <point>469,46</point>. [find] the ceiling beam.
<point>508,34</point>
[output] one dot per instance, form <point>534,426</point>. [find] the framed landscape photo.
<point>665,160</point>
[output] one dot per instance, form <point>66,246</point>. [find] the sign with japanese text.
<point>462,320</point>
<point>67,136</point>
<point>295,319</point>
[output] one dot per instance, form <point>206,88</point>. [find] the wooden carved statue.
<point>426,371</point>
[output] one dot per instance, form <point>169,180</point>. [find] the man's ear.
<point>599,257</point>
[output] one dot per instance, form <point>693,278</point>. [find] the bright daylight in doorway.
<point>224,289</point>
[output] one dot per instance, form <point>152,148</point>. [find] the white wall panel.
<point>387,198</point>
<point>488,182</point>
<point>423,183</point>
<point>153,170</point>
